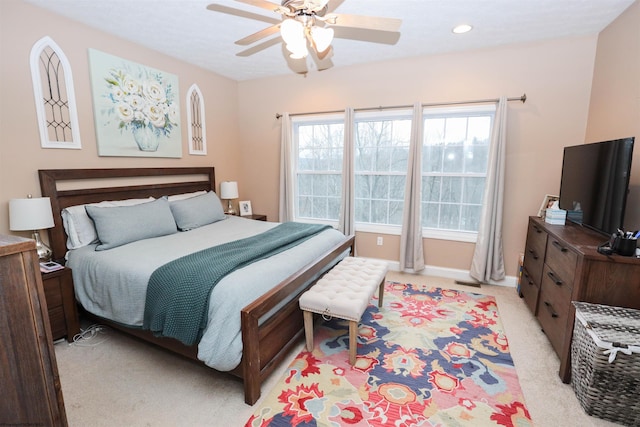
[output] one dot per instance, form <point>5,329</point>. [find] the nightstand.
<point>257,217</point>
<point>61,304</point>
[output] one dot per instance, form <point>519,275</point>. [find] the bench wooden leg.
<point>381,292</point>
<point>353,341</point>
<point>308,329</point>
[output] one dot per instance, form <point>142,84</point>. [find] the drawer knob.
<point>559,246</point>
<point>554,278</point>
<point>551,310</point>
<point>533,253</point>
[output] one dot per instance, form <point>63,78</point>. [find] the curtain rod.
<point>522,98</point>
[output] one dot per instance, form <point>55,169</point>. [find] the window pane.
<point>431,188</point>
<point>363,210</point>
<point>473,190</point>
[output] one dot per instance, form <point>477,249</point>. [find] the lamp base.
<point>230,210</point>
<point>44,253</point>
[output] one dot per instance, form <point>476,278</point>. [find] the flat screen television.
<point>595,183</point>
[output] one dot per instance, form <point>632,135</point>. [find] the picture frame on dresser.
<point>245,208</point>
<point>547,202</point>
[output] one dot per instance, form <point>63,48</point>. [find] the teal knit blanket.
<point>178,293</point>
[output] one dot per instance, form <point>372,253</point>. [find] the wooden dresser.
<point>562,264</point>
<point>31,393</point>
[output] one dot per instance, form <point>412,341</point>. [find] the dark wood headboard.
<point>114,184</point>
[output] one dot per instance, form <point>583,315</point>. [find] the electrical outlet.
<point>379,241</point>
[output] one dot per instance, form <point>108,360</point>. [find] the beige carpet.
<point>113,380</point>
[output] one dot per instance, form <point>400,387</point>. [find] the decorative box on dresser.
<point>562,264</point>
<point>31,392</point>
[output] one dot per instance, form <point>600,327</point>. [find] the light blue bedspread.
<point>113,283</point>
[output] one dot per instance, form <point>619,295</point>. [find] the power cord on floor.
<point>92,336</point>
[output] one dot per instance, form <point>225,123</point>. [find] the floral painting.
<point>136,108</point>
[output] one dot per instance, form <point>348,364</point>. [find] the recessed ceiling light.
<point>461,29</point>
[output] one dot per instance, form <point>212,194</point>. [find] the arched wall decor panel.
<point>196,119</point>
<point>54,96</point>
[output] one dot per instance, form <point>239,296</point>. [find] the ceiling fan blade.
<point>259,47</point>
<point>264,4</point>
<point>333,5</point>
<point>366,35</point>
<point>250,39</point>
<point>366,22</point>
<point>242,13</point>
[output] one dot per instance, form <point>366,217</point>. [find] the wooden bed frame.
<point>265,344</point>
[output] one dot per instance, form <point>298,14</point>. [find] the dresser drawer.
<point>561,259</point>
<point>53,292</point>
<point>553,308</point>
<point>530,290</point>
<point>534,251</point>
<point>57,322</point>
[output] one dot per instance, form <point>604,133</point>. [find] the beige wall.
<point>614,111</point>
<point>243,133</point>
<point>555,75</point>
<point>21,25</point>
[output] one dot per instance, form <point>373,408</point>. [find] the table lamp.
<point>32,214</point>
<point>229,191</point>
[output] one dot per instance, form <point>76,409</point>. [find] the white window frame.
<point>38,92</point>
<point>310,120</point>
<point>430,112</point>
<point>404,113</point>
<point>193,150</point>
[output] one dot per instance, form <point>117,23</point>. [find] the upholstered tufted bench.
<point>344,292</point>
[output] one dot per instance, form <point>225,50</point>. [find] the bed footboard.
<point>266,345</point>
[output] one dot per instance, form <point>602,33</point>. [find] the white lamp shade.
<point>229,190</point>
<point>30,214</point>
<point>292,31</point>
<point>322,37</point>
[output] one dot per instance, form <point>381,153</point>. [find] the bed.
<point>269,322</point>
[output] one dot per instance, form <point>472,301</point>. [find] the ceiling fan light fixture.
<point>462,28</point>
<point>322,38</point>
<point>292,31</point>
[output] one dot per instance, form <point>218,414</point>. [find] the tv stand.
<point>562,264</point>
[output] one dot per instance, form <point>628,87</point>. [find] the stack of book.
<point>555,216</point>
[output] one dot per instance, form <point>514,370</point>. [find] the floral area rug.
<point>428,357</point>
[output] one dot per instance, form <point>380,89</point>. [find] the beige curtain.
<point>488,262</point>
<point>347,212</point>
<point>411,252</point>
<point>286,170</point>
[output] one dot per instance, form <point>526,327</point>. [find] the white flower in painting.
<point>155,115</point>
<point>174,115</point>
<point>142,100</point>
<point>154,92</point>
<point>130,85</point>
<point>125,112</point>
<point>117,94</point>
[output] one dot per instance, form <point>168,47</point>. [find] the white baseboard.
<point>452,273</point>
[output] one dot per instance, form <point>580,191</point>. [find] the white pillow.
<point>79,227</point>
<point>176,197</point>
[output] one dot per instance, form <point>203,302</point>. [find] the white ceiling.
<point>186,30</point>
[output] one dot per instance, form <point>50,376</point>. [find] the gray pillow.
<point>117,226</point>
<point>197,211</point>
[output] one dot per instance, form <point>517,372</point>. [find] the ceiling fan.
<point>307,27</point>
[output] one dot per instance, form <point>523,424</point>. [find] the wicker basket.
<point>605,362</point>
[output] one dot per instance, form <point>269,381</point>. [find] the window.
<point>381,146</point>
<point>455,153</point>
<point>319,148</point>
<point>54,96</point>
